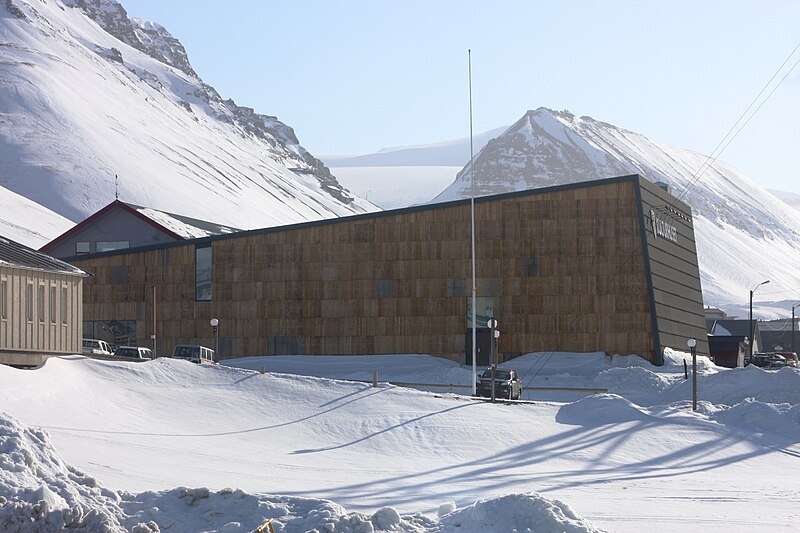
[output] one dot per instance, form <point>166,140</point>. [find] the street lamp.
<point>214,327</point>
<point>492,323</point>
<point>692,343</point>
<point>794,349</point>
<point>752,340</point>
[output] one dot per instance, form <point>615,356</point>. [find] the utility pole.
<point>692,343</point>
<point>752,340</point>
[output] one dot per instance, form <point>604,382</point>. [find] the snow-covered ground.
<point>170,446</point>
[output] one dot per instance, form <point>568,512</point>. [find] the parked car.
<point>96,347</point>
<point>134,352</point>
<point>769,360</point>
<point>791,358</point>
<point>506,384</point>
<point>194,353</point>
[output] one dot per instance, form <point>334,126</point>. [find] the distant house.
<point>728,340</point>
<point>777,335</point>
<point>41,306</point>
<point>715,313</point>
<point>121,225</point>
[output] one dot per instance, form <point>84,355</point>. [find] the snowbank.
<point>39,492</point>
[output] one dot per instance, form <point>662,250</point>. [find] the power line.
<point>780,292</point>
<point>711,159</point>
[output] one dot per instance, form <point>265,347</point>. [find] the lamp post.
<point>794,349</point>
<point>752,340</point>
<point>492,323</point>
<point>692,343</point>
<point>472,236</point>
<point>215,329</point>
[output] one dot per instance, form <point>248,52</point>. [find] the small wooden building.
<point>607,265</point>
<point>41,302</point>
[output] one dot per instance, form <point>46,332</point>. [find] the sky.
<point>223,448</point>
<point>355,77</point>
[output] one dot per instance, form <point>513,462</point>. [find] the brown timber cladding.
<point>564,267</point>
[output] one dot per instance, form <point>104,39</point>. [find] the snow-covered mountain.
<point>88,93</point>
<point>745,235</point>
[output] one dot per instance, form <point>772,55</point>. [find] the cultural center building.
<point>607,265</point>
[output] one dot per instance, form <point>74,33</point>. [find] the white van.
<point>134,352</point>
<point>96,347</point>
<point>194,353</point>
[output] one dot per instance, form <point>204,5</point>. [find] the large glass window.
<point>114,332</point>
<point>484,310</point>
<point>107,246</point>
<point>202,273</point>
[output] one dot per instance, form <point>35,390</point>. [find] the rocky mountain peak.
<point>145,36</point>
<point>12,8</point>
<point>137,110</point>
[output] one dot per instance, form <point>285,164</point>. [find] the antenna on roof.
<point>116,187</point>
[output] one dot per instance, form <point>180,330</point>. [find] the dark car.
<point>769,361</point>
<point>506,384</point>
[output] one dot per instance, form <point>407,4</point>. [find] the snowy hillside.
<point>27,222</point>
<point>86,94</point>
<point>744,234</point>
<point>792,199</point>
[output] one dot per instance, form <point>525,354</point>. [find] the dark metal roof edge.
<point>37,261</point>
<point>204,241</point>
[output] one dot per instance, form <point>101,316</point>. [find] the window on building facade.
<point>456,287</point>
<point>384,288</point>
<point>202,273</point>
<point>82,248</point>
<point>52,304</point>
<point>118,275</point>
<point>40,304</point>
<point>64,305</point>
<point>107,246</point>
<point>3,299</point>
<point>530,266</point>
<point>29,302</point>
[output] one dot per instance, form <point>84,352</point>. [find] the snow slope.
<point>185,447</point>
<point>790,198</point>
<point>27,222</point>
<point>744,233</point>
<point>87,94</point>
